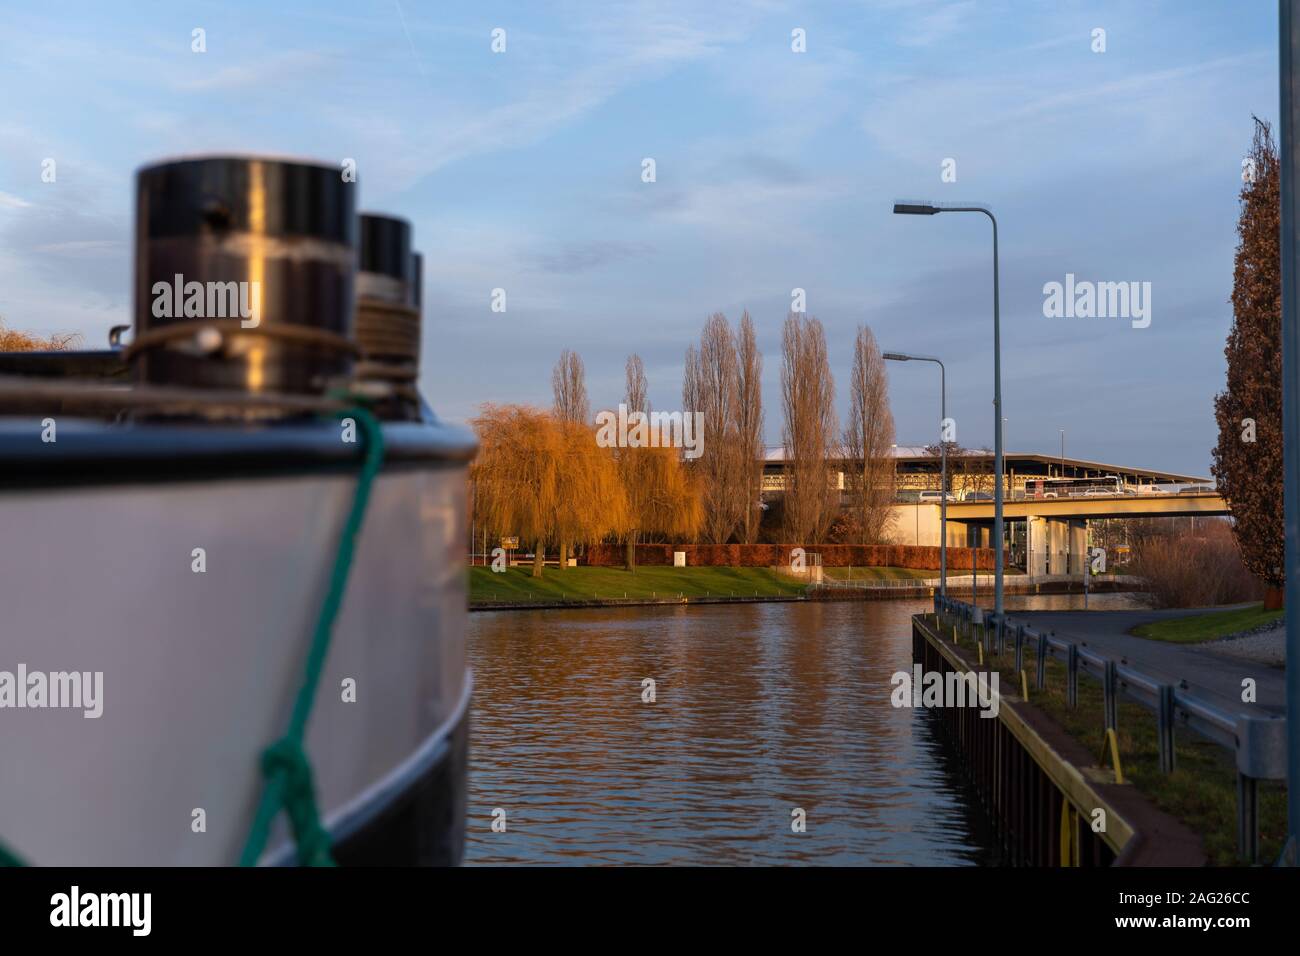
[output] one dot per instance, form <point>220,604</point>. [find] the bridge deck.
<point>1114,506</point>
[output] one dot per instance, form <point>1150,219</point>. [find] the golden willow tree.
<point>516,477</point>
<point>544,480</point>
<point>868,440</point>
<point>810,433</point>
<point>1248,457</point>
<point>592,503</point>
<point>663,498</point>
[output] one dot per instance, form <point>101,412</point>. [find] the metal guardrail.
<point>959,580</point>
<point>870,584</point>
<point>1258,743</point>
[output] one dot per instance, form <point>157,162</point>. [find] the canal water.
<point>759,711</point>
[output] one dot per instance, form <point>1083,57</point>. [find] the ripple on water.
<point>761,708</point>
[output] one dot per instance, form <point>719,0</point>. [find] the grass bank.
<point>1196,628</point>
<point>1202,790</point>
<point>517,585</point>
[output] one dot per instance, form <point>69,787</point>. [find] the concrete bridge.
<point>1056,529</point>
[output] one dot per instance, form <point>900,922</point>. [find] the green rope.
<point>285,765</point>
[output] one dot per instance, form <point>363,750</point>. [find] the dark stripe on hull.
<point>424,824</point>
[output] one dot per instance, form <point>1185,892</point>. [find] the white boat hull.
<point>200,669</point>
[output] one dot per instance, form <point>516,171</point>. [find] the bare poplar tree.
<point>711,385</point>
<point>631,461</point>
<point>867,441</point>
<point>635,399</point>
<point>749,426</point>
<point>810,433</point>
<point>569,384</point>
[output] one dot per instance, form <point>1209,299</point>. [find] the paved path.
<point>1215,676</point>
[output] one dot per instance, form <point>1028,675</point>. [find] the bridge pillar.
<point>1036,545</point>
<point>1058,530</point>
<point>1078,545</point>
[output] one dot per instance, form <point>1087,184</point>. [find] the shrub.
<point>1194,568</point>
<point>13,341</point>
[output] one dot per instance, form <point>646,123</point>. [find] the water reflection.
<point>760,709</point>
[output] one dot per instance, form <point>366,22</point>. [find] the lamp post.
<point>943,457</point>
<point>930,209</point>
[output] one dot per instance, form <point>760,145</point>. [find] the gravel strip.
<point>1265,644</point>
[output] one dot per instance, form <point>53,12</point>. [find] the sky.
<point>775,170</point>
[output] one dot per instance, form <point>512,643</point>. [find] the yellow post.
<point>979,646</point>
<point>1069,834</point>
<point>1024,686</point>
<point>954,634</point>
<point>1113,742</point>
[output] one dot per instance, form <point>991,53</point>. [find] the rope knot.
<point>286,760</point>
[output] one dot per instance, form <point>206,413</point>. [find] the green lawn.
<point>585,583</point>
<point>1202,790</point>
<point>1195,628</point>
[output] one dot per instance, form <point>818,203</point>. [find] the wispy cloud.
<point>936,21</point>
<point>293,67</point>
<point>574,257</point>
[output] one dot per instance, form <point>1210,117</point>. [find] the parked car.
<point>978,496</point>
<point>934,497</point>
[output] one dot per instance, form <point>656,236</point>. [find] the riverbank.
<point>584,586</point>
<point>600,587</point>
<point>1201,792</point>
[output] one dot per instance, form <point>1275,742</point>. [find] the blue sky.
<point>775,170</point>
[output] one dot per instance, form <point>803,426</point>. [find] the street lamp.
<point>930,209</point>
<point>943,454</point>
